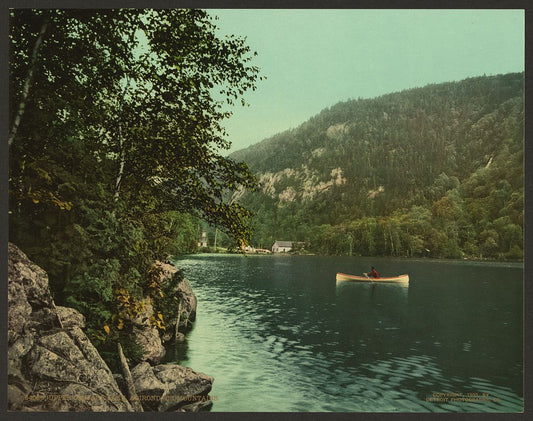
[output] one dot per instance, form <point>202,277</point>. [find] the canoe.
<point>354,278</point>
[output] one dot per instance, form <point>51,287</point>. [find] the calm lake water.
<point>278,334</point>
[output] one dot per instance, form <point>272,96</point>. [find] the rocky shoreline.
<point>53,366</point>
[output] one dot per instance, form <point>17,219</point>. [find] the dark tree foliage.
<point>435,171</point>
<point>116,127</point>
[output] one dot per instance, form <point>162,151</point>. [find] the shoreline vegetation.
<point>221,250</point>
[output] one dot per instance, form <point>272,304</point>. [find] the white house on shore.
<point>282,246</point>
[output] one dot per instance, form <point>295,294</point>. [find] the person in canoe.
<point>373,273</point>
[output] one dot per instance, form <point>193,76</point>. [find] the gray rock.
<point>16,397</point>
<point>147,335</point>
<point>183,385</point>
<point>28,292</point>
<point>189,303</point>
<point>70,317</point>
<point>171,387</point>
<point>197,406</point>
<point>148,387</point>
<point>19,311</point>
<point>178,286</point>
<point>32,280</point>
<point>121,383</point>
<point>179,338</point>
<point>50,367</point>
<point>17,350</point>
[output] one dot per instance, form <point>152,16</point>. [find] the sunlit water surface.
<point>278,334</point>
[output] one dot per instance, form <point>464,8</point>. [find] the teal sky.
<point>315,58</point>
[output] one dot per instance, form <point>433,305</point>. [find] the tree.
<point>116,123</point>
<point>142,98</point>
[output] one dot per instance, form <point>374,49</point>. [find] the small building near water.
<point>282,246</point>
<point>203,240</point>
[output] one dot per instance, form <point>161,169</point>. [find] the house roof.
<point>283,244</point>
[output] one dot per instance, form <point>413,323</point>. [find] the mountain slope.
<point>432,171</point>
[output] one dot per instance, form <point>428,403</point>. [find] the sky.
<point>313,59</point>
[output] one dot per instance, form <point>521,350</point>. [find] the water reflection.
<point>279,335</point>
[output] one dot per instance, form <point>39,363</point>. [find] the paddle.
<point>371,278</point>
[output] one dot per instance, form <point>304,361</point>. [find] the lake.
<point>278,334</point>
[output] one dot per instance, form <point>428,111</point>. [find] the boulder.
<point>121,383</point>
<point>179,338</point>
<point>171,387</point>
<point>197,406</point>
<point>70,317</point>
<point>188,303</point>
<point>148,387</point>
<point>52,366</point>
<point>28,293</point>
<point>184,386</point>
<point>147,335</point>
<point>68,368</point>
<point>175,284</point>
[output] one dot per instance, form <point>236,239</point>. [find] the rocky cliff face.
<point>53,366</point>
<point>183,313</point>
<point>177,285</point>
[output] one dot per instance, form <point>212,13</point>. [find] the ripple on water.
<point>395,380</point>
<point>381,369</point>
<point>509,400</point>
<point>271,344</point>
<point>372,394</point>
<point>391,394</point>
<point>405,405</point>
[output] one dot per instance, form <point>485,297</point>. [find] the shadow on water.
<point>176,352</point>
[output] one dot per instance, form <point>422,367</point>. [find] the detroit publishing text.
<point>460,397</point>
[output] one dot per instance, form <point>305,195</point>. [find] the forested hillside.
<point>434,171</point>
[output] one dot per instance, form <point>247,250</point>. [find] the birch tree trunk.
<point>122,158</point>
<point>27,83</point>
<point>122,152</point>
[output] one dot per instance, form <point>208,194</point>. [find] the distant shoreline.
<point>416,258</point>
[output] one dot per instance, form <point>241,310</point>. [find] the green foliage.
<point>167,301</point>
<point>435,171</point>
<point>183,233</point>
<point>115,136</point>
<point>107,348</point>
